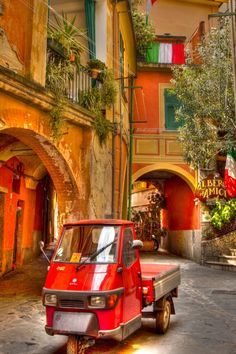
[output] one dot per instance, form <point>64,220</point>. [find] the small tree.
<point>207,112</point>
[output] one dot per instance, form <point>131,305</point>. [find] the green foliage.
<point>91,99</point>
<point>98,98</point>
<point>95,64</point>
<point>205,90</point>
<point>67,34</point>
<point>144,32</point>
<point>147,222</point>
<point>223,213</point>
<point>108,89</point>
<point>56,75</point>
<point>102,127</point>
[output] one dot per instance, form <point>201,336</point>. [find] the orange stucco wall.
<point>147,103</point>
<point>18,28</point>
<point>181,212</point>
<point>180,18</point>
<point>28,197</point>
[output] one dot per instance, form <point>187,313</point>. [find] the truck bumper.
<point>79,323</point>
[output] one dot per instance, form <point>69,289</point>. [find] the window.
<point>171,104</point>
<point>88,243</point>
<point>128,254</point>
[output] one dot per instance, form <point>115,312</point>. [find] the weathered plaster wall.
<point>17,33</point>
<point>185,243</point>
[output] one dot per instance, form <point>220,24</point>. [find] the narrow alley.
<point>205,320</point>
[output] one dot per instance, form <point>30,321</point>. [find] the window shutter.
<point>90,21</point>
<point>171,104</point>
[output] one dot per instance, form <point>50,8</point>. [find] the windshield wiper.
<point>95,254</point>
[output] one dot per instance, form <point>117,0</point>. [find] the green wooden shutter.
<point>171,103</point>
<point>90,21</point>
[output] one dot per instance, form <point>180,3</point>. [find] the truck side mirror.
<point>137,245</point>
<point>41,246</point>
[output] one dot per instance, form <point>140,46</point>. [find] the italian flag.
<point>230,173</point>
<point>149,5</point>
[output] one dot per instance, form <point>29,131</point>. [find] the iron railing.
<point>77,81</point>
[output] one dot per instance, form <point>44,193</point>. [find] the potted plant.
<point>95,67</point>
<point>63,38</point>
<point>148,223</point>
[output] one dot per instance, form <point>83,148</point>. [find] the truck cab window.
<point>128,254</point>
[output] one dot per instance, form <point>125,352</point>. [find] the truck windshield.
<point>79,242</point>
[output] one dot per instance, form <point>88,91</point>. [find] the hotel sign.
<point>211,188</point>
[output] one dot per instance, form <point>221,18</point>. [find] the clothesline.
<point>166,53</point>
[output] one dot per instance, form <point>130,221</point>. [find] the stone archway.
<point>180,216</point>
<point>164,166</point>
<point>57,167</point>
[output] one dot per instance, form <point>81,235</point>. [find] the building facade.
<point>53,166</point>
<point>157,156</point>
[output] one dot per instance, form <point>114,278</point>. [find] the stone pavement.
<point>205,320</point>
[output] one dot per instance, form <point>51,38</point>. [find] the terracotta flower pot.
<point>94,73</point>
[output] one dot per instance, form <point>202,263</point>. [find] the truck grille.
<point>79,304</point>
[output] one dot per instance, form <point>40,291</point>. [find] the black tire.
<point>163,318</point>
<point>156,244</point>
<point>75,346</point>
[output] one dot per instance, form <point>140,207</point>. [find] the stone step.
<point>227,259</point>
<point>221,266</point>
<point>232,251</point>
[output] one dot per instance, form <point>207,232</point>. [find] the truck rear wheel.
<point>75,345</point>
<point>163,318</point>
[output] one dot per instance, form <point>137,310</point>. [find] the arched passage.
<point>56,166</point>
<point>163,166</point>
<point>26,159</point>
<point>180,215</point>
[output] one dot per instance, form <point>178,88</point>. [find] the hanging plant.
<point>99,98</point>
<point>102,127</point>
<point>57,74</point>
<point>108,89</point>
<point>144,32</point>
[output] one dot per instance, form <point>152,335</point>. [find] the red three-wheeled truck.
<point>96,286</point>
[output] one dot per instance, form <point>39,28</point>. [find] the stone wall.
<point>186,244</point>
<point>211,249</point>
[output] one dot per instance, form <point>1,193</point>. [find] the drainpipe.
<point>113,202</point>
<point>233,40</point>
<point>130,146</point>
<point>121,132</point>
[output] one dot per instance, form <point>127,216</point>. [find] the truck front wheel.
<point>163,317</point>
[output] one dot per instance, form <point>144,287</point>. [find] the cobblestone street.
<point>205,320</point>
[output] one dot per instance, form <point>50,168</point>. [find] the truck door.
<point>131,279</point>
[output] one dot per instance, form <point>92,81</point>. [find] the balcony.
<point>73,76</point>
<point>166,51</point>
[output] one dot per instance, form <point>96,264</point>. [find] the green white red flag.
<point>149,5</point>
<point>230,173</point>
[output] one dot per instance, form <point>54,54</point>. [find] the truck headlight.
<point>97,301</point>
<point>50,300</point>
<point>103,301</point>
